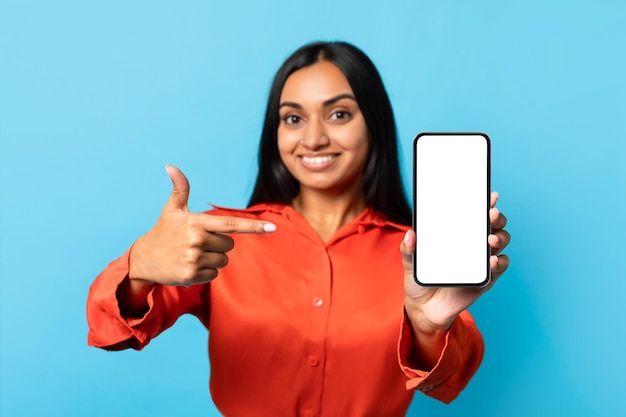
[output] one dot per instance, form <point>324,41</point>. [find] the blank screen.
<point>451,200</point>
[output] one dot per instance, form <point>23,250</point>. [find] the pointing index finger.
<point>233,224</point>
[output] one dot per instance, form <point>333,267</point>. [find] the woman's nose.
<point>315,135</point>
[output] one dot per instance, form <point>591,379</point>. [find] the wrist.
<point>137,283</point>
<point>430,340</point>
<point>134,262</point>
<point>422,325</point>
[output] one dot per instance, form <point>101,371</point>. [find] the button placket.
<point>317,303</point>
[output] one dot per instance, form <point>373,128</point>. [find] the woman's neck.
<point>327,212</point>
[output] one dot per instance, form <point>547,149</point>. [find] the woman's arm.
<point>440,364</point>
<point>437,311</point>
<point>122,317</point>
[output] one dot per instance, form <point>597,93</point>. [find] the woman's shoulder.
<point>254,211</point>
<point>376,218</point>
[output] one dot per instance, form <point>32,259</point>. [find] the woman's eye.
<point>291,119</point>
<point>341,114</point>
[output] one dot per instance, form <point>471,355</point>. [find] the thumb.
<point>180,193</point>
<point>407,247</point>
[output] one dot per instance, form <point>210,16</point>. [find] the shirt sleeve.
<point>109,330</point>
<point>459,360</point>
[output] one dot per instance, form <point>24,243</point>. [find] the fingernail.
<point>269,227</point>
<point>406,238</point>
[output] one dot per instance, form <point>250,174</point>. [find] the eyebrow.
<point>326,103</point>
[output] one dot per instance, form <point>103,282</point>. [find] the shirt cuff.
<point>431,382</point>
<point>107,327</point>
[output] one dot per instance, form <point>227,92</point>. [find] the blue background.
<point>96,97</point>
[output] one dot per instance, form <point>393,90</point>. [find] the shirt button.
<point>308,413</point>
<point>426,388</point>
<point>318,302</point>
<point>313,361</point>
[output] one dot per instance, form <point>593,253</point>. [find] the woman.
<point>315,311</point>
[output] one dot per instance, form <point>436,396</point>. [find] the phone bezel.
<point>485,282</point>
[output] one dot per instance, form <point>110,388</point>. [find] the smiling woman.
<point>329,172</point>
<point>314,312</point>
<point>328,98</point>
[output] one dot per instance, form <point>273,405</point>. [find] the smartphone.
<point>451,201</point>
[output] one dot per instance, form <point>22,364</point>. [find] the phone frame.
<point>414,152</point>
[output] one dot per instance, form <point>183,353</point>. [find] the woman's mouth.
<point>317,163</point>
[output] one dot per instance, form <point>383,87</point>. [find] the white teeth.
<point>318,160</point>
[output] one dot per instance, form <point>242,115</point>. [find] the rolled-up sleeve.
<point>459,360</point>
<point>109,330</point>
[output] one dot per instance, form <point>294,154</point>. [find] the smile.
<point>317,163</point>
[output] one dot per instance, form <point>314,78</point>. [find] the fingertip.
<point>269,227</point>
<point>408,243</point>
<point>407,238</point>
<point>493,199</point>
<point>171,169</point>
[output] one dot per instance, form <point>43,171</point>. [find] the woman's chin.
<point>333,187</point>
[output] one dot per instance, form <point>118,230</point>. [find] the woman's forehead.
<point>315,83</point>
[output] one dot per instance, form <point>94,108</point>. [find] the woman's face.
<point>322,135</point>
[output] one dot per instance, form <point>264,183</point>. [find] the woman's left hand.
<point>437,307</point>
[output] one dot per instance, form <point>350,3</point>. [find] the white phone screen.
<point>451,209</point>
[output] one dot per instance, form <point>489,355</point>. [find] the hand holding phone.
<point>448,266</point>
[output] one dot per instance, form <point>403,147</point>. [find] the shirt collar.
<point>368,217</point>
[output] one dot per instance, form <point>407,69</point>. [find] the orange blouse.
<point>293,321</point>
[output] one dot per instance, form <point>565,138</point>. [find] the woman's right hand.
<point>185,248</point>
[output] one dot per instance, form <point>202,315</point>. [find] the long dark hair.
<point>382,183</point>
